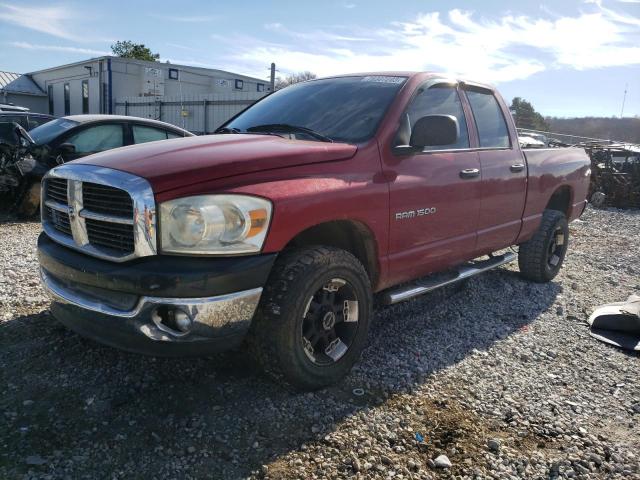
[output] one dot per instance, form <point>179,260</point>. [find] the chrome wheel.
<point>330,322</point>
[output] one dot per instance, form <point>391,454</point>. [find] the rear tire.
<point>541,257</point>
<point>313,318</point>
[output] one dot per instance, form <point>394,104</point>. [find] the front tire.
<point>313,318</point>
<point>541,257</point>
<point>29,204</point>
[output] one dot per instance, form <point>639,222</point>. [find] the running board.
<point>439,280</point>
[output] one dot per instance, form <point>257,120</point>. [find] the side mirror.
<point>435,131</point>
<point>66,148</point>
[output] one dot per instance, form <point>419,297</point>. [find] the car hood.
<point>169,164</point>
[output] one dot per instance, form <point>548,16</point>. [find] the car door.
<point>92,139</point>
<point>434,195</point>
<point>504,173</point>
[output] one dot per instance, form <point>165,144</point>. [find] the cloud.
<point>51,19</point>
<point>58,48</point>
<point>182,47</point>
<point>315,36</point>
<point>187,18</point>
<point>463,43</point>
<point>349,5</point>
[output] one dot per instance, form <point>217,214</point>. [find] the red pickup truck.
<point>277,231</point>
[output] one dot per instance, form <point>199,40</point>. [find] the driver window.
<point>437,100</point>
<point>97,139</point>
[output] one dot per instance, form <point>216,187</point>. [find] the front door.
<point>434,193</point>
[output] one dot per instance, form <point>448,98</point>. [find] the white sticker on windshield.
<point>383,79</point>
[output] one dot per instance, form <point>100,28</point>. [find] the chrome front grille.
<point>110,235</point>
<point>57,190</point>
<point>108,200</point>
<point>89,209</point>
<point>59,220</point>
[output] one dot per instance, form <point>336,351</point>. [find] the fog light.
<point>172,320</point>
<point>182,321</point>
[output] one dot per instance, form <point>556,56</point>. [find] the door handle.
<point>470,173</point>
<point>517,167</point>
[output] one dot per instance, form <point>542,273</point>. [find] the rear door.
<point>504,173</point>
<point>433,202</point>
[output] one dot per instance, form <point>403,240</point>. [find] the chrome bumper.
<point>212,317</point>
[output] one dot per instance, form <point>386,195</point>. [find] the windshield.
<point>47,132</point>
<point>346,109</point>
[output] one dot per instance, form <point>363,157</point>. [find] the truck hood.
<point>169,164</point>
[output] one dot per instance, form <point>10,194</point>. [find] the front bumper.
<point>119,304</point>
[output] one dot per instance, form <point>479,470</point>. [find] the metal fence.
<point>200,114</point>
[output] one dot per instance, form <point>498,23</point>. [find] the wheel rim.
<point>556,248</point>
<point>330,322</point>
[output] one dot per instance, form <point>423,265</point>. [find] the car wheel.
<point>29,205</point>
<point>541,257</point>
<point>313,318</point>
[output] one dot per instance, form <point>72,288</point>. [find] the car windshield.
<point>345,109</point>
<point>47,132</point>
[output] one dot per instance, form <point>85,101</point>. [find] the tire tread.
<point>268,332</point>
<point>532,253</point>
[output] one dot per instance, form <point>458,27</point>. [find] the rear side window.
<point>437,100</point>
<point>97,139</point>
<point>143,134</point>
<point>490,121</point>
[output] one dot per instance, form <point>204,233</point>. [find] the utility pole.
<point>273,77</point>
<point>624,98</point>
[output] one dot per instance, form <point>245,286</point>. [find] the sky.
<point>567,57</point>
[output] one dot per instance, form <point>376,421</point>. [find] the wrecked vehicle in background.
<point>615,178</point>
<point>26,157</point>
<point>26,120</point>
<point>532,139</point>
<point>615,166</point>
<point>20,171</point>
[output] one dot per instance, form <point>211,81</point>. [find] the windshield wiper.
<point>227,130</point>
<point>285,127</point>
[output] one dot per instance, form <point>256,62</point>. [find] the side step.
<point>439,280</point>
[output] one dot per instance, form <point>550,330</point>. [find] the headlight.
<point>214,224</point>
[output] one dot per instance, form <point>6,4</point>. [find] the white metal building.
<point>95,85</point>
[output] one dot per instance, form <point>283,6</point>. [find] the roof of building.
<point>17,83</point>
<point>7,77</point>
<point>210,71</point>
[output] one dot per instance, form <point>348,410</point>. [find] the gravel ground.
<point>498,379</point>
